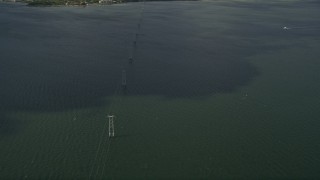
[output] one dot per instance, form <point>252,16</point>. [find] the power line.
<point>103,132</point>
<point>123,84</point>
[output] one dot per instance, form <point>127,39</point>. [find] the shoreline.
<point>41,3</point>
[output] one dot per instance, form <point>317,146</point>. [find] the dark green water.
<point>216,90</point>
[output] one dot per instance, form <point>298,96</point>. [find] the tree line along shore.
<point>81,2</point>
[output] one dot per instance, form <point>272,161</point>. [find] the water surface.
<point>216,89</point>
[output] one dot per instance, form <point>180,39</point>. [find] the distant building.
<point>105,1</point>
<point>75,3</point>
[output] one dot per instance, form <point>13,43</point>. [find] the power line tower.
<point>111,125</point>
<point>124,78</point>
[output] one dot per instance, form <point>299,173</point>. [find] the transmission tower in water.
<point>111,125</point>
<point>124,78</point>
